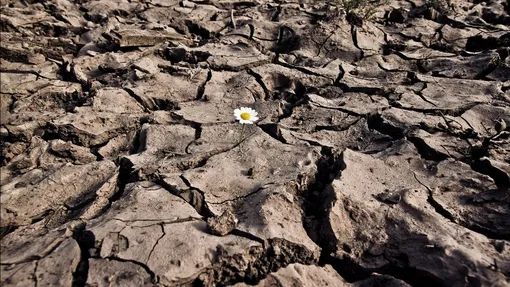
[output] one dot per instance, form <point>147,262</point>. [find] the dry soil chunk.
<point>54,269</point>
<point>116,101</point>
<point>69,185</point>
<point>87,128</point>
<point>264,179</point>
<point>150,218</point>
<point>113,273</point>
<point>376,233</point>
<point>223,224</point>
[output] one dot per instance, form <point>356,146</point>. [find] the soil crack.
<point>163,233</point>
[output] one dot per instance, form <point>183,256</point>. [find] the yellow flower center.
<point>245,116</point>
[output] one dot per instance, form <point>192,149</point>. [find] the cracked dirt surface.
<point>381,157</point>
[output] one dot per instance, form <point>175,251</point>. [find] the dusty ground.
<point>381,157</point>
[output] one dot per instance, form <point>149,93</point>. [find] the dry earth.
<point>382,156</point>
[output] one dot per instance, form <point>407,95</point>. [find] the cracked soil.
<point>381,157</point>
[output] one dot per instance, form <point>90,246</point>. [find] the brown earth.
<point>381,157</point>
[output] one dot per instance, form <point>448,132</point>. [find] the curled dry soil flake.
<point>262,143</point>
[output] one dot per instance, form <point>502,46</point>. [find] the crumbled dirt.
<point>381,156</point>
<point>223,224</point>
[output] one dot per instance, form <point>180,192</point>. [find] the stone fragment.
<point>389,197</point>
<point>223,224</point>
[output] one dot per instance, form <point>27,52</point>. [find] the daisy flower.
<point>246,115</point>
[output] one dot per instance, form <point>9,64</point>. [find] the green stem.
<point>242,133</point>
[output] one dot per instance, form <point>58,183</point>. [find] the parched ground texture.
<point>381,157</point>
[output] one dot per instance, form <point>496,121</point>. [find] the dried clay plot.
<point>255,143</point>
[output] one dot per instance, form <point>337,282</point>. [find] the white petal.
<point>253,115</point>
